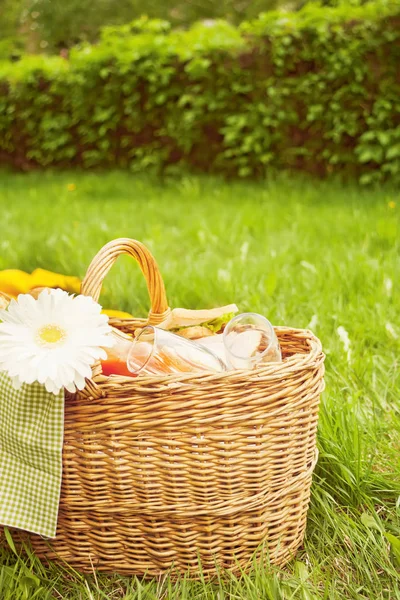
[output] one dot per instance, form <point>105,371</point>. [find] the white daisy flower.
<point>54,339</point>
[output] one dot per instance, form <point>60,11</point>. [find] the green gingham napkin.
<point>31,439</point>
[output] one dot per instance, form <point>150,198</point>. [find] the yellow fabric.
<point>42,278</point>
<point>117,314</point>
<point>14,282</point>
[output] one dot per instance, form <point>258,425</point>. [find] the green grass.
<point>299,252</point>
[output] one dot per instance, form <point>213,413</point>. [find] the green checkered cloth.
<point>31,440</point>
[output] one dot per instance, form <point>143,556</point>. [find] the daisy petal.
<point>54,339</point>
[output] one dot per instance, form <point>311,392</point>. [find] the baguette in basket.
<point>196,324</point>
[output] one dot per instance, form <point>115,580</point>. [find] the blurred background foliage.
<point>52,26</point>
<point>315,90</point>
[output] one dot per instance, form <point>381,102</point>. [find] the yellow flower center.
<point>49,335</point>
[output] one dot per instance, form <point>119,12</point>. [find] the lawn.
<point>305,254</point>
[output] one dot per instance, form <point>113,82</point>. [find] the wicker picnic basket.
<point>163,472</point>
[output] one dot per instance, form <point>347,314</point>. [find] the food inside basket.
<point>161,362</point>
<point>197,324</point>
<point>158,352</point>
<point>115,362</point>
<point>115,366</point>
<point>247,341</point>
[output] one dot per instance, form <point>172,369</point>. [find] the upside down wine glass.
<point>250,340</point>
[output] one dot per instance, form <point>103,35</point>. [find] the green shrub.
<point>317,90</point>
<point>54,24</point>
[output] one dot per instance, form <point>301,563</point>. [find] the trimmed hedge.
<point>317,90</point>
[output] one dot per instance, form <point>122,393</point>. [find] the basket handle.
<point>104,260</point>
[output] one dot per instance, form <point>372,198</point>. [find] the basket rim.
<point>268,372</point>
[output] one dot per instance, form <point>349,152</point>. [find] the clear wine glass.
<point>156,352</point>
<point>250,339</point>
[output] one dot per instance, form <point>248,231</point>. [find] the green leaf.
<point>10,541</point>
<point>395,544</point>
<point>29,580</point>
<point>369,136</point>
<point>370,153</point>
<point>27,584</point>
<point>301,571</point>
<point>7,574</point>
<point>384,137</point>
<point>393,152</point>
<point>368,521</point>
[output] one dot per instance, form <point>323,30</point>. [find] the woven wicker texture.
<point>162,472</point>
